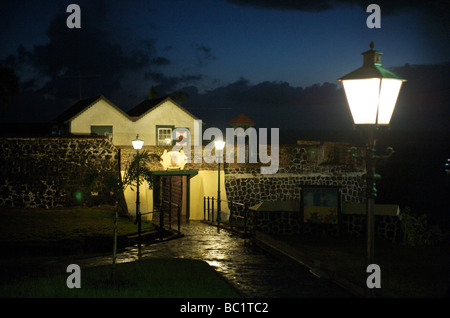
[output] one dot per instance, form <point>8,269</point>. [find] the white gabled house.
<point>154,120</point>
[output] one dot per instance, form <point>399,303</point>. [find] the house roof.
<point>75,109</point>
<point>79,107</point>
<point>134,114</point>
<point>151,104</point>
<point>145,106</point>
<point>242,119</point>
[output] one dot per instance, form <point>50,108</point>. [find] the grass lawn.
<point>61,224</point>
<point>406,271</point>
<point>29,276</point>
<point>154,278</point>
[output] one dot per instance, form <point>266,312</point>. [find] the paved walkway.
<point>254,272</point>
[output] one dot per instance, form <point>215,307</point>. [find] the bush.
<point>416,230</point>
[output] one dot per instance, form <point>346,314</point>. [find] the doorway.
<point>173,191</point>
<point>170,190</point>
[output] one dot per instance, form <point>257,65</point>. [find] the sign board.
<point>173,160</point>
<point>181,136</point>
<point>320,204</point>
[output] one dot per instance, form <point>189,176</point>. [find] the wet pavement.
<point>254,273</point>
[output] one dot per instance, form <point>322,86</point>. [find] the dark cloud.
<point>387,6</point>
<point>165,84</point>
<point>87,52</point>
<point>204,55</point>
<point>273,94</point>
<point>312,6</point>
<point>423,100</point>
<point>86,62</point>
<point>271,104</point>
<point>422,103</point>
<point>160,61</point>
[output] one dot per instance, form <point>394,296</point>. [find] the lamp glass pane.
<point>137,144</point>
<point>219,144</point>
<point>362,96</point>
<point>390,89</point>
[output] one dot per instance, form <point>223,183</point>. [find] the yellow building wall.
<point>145,200</point>
<point>103,114</point>
<point>167,114</point>
<point>204,184</point>
<point>125,129</point>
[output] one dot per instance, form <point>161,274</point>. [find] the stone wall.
<point>387,227</point>
<point>56,171</point>
<point>196,160</point>
<point>66,171</point>
<point>307,163</point>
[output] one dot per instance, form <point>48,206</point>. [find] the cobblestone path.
<point>255,273</point>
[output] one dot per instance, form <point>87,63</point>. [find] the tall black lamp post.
<point>137,145</point>
<point>219,144</point>
<point>372,93</point>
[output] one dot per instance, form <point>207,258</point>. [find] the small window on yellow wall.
<point>164,136</point>
<point>102,131</point>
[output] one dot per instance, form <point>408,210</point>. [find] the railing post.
<point>204,208</point>
<point>161,223</point>
<point>208,209</point>
<point>179,218</point>
<point>170,204</point>
<point>212,209</point>
<point>230,219</point>
<point>245,219</point>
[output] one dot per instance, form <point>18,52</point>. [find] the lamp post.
<point>219,144</point>
<point>372,93</point>
<point>137,145</point>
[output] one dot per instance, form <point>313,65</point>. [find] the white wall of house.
<point>204,184</point>
<point>103,114</point>
<point>167,114</point>
<point>125,129</point>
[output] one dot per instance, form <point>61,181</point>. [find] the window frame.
<point>109,137</point>
<point>158,127</point>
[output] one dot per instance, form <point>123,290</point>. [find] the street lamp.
<point>219,144</point>
<point>137,145</point>
<point>372,93</point>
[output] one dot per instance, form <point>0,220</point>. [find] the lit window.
<point>164,136</point>
<point>102,131</point>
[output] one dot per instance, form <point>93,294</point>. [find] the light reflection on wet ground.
<point>253,272</point>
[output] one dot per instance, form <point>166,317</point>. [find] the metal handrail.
<point>161,218</point>
<point>170,202</point>
<point>208,209</point>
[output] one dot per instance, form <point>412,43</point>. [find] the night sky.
<point>276,61</point>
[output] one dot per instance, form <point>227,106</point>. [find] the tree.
<point>9,86</point>
<point>129,180</point>
<point>153,93</point>
<point>145,174</point>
